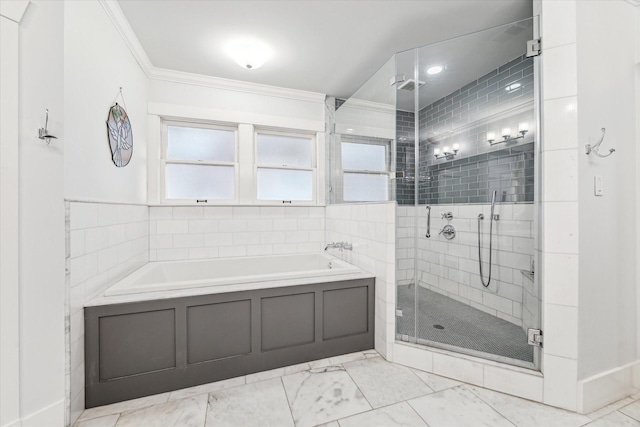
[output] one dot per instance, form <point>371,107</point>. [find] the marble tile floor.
<point>355,390</point>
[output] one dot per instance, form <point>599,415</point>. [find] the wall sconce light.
<point>446,152</point>
<point>523,128</point>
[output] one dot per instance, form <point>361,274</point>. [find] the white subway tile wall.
<point>371,230</point>
<point>450,267</point>
<point>105,242</point>
<point>182,233</point>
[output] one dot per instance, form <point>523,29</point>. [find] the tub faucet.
<point>339,245</point>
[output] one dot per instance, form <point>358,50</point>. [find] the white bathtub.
<point>176,275</point>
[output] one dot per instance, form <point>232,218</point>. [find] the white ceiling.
<point>329,47</point>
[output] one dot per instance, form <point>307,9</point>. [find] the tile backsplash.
<point>105,242</point>
<point>181,233</point>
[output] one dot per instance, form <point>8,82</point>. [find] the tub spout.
<point>339,245</point>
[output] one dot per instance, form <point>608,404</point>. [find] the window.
<point>285,167</point>
<point>365,172</point>
<point>200,162</point>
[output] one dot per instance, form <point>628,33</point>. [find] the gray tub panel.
<point>287,321</point>
<point>353,307</point>
<point>217,331</point>
<point>136,343</point>
<point>137,349</point>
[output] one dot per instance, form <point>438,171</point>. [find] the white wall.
<point>11,14</point>
<point>608,224</point>
<point>42,268</point>
<point>588,244</point>
<point>97,63</point>
<point>637,378</point>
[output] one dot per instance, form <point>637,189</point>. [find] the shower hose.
<point>480,218</point>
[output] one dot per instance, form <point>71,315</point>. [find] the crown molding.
<point>234,85</point>
<point>120,22</point>
<point>362,104</point>
<point>634,2</point>
<point>13,10</point>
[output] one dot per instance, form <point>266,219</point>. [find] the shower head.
<point>409,85</point>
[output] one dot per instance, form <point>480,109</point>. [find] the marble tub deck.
<point>359,389</point>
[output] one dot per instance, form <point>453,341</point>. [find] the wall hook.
<point>595,147</point>
<point>43,133</point>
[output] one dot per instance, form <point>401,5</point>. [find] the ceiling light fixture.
<point>435,69</point>
<point>249,53</point>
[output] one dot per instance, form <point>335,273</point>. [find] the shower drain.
<point>438,326</point>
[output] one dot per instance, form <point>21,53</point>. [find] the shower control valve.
<point>448,231</point>
<point>447,215</point>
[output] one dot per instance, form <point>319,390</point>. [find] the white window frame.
<point>387,172</point>
<point>165,160</point>
<point>313,168</point>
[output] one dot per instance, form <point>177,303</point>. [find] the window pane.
<point>200,182</point>
<point>284,150</point>
<point>368,157</point>
<point>362,187</point>
<point>285,184</point>
<point>200,144</point>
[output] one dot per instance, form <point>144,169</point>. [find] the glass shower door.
<point>475,122</point>
<point>406,194</point>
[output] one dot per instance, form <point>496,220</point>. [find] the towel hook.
<point>43,133</point>
<point>595,147</point>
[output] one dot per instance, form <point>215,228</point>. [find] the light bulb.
<point>506,132</point>
<point>435,69</point>
<point>436,151</point>
<point>446,150</point>
<point>523,127</point>
<point>491,136</point>
<point>512,87</point>
<point>456,147</point>
<point>249,53</point>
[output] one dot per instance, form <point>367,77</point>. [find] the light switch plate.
<point>597,186</point>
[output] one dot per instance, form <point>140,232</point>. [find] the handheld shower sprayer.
<point>491,219</point>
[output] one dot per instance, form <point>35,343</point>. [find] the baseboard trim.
<point>607,387</point>
<point>14,423</point>
<point>52,415</point>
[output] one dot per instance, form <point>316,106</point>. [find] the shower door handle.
<point>428,222</point>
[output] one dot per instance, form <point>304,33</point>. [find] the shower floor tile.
<point>444,320</point>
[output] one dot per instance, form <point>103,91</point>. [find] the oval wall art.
<point>120,135</point>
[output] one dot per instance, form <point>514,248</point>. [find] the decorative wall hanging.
<point>120,133</point>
